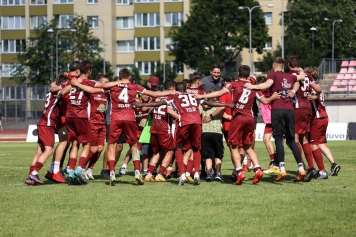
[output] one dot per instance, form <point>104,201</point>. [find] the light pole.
<point>282,29</point>
<point>72,30</point>
<point>164,54</point>
<point>312,30</point>
<point>250,30</point>
<point>95,19</point>
<point>332,44</point>
<point>51,32</point>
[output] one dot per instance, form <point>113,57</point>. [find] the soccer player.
<point>303,114</point>
<point>282,113</point>
<point>318,132</point>
<point>77,122</point>
<point>122,94</point>
<point>46,130</point>
<point>242,125</point>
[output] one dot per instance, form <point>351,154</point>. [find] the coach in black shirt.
<point>213,82</point>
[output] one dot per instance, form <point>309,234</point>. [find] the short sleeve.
<point>65,84</point>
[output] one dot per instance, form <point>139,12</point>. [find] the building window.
<point>38,21</point>
<point>178,68</point>
<point>173,0</point>
<point>142,1</point>
<point>168,43</point>
<point>13,22</point>
<point>268,44</point>
<point>125,22</point>
<point>92,1</point>
<point>12,2</point>
<point>268,18</point>
<point>124,2</point>
<point>147,19</point>
<point>0,49</point>
<point>93,21</point>
<point>125,46</point>
<point>38,92</point>
<point>62,1</point>
<point>146,68</point>
<point>147,43</point>
<point>173,18</point>
<point>38,2</point>
<point>93,47</point>
<point>13,46</point>
<point>119,67</point>
<point>8,69</point>
<point>63,20</point>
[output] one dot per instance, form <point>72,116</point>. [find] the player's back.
<point>121,96</point>
<point>187,107</point>
<point>50,111</point>
<point>242,97</point>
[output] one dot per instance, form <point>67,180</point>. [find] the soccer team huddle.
<point>85,113</point>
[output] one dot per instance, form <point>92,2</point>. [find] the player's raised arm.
<point>86,88</point>
<point>151,104</point>
<point>159,93</point>
<point>107,85</point>
<point>214,94</point>
<point>218,104</point>
<point>263,86</point>
<point>274,96</point>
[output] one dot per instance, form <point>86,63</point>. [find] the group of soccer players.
<point>75,109</point>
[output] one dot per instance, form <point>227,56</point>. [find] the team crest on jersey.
<point>101,108</point>
<point>285,84</point>
<point>143,122</point>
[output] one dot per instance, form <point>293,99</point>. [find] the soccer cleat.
<point>89,174</point>
<point>35,178</point>
<point>258,176</point>
<point>49,176</point>
<point>240,177</point>
<point>112,180</point>
<point>57,177</point>
<point>310,174</point>
<point>160,178</point>
<point>219,177</point>
<point>66,170</point>
<point>322,175</point>
<point>80,174</point>
<point>189,179</point>
<point>209,178</point>
<point>281,175</point>
<point>301,176</point>
<point>272,170</point>
<point>181,180</point>
<point>335,168</point>
<point>139,179</point>
<point>122,171</point>
<point>149,178</point>
<point>29,181</point>
<point>72,178</point>
<point>168,174</point>
<point>105,174</point>
<point>62,174</point>
<point>270,165</point>
<point>196,179</point>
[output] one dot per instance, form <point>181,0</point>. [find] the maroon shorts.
<point>45,135</point>
<point>242,129</point>
<point>97,134</point>
<point>61,122</point>
<point>78,130</point>
<point>189,136</point>
<point>318,130</point>
<point>302,118</point>
<point>161,142</point>
<point>119,126</point>
<point>268,129</point>
<point>226,136</point>
<point>187,146</point>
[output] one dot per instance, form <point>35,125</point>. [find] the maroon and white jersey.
<point>141,118</point>
<point>187,107</point>
<point>242,97</point>
<point>303,91</point>
<point>161,120</point>
<point>79,100</point>
<point>98,103</point>
<point>51,110</point>
<point>199,91</point>
<point>318,105</point>
<point>121,96</point>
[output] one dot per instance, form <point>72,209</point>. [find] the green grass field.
<point>318,208</point>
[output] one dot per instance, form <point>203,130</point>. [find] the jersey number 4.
<point>124,95</point>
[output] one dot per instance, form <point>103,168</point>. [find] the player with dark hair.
<point>283,112</point>
<point>46,129</point>
<point>303,115</point>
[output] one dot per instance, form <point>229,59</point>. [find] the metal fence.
<point>21,106</point>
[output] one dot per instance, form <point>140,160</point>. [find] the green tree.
<point>216,32</point>
<point>135,73</point>
<point>35,64</point>
<point>171,72</point>
<point>305,14</point>
<point>98,68</point>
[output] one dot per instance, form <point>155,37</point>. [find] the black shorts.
<point>255,121</point>
<point>283,122</point>
<point>147,149</point>
<point>212,145</point>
